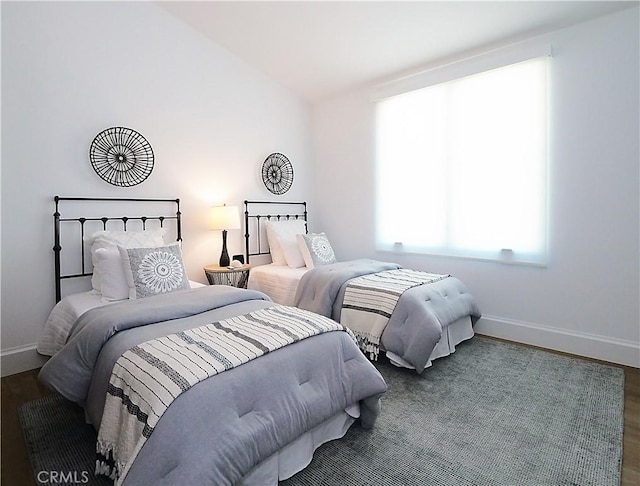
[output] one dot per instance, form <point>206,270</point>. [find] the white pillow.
<point>316,249</point>
<point>128,239</point>
<point>277,257</point>
<point>113,281</point>
<point>153,271</point>
<point>282,241</point>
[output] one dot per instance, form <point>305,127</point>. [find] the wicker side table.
<point>234,276</point>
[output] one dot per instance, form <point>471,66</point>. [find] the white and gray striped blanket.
<point>148,377</point>
<point>370,300</point>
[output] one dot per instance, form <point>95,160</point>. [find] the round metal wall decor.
<point>277,173</point>
<point>121,156</point>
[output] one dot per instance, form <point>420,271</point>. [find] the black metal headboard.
<point>100,222</point>
<point>252,218</point>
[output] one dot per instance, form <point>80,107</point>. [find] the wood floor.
<point>24,387</point>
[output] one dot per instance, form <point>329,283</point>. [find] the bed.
<point>431,313</point>
<point>197,384</point>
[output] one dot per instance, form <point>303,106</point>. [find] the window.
<point>461,166</point>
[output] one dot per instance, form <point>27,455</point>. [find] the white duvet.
<point>64,315</point>
<point>277,281</point>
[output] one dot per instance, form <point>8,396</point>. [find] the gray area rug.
<point>493,413</point>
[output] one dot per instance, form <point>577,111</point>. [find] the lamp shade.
<point>225,218</point>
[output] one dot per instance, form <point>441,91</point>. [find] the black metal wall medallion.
<point>121,156</point>
<point>277,173</point>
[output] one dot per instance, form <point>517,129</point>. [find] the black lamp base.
<point>224,257</point>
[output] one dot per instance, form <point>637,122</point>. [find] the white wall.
<point>72,69</point>
<point>586,301</point>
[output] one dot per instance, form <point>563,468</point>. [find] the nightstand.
<point>234,276</point>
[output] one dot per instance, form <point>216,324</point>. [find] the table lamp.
<point>224,218</point>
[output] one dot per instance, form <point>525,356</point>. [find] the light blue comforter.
<point>217,431</point>
<point>416,325</point>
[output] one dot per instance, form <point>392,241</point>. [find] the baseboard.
<point>574,342</point>
<point>24,358</point>
<point>19,359</point>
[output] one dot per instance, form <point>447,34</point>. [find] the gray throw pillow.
<point>316,249</point>
<point>153,271</point>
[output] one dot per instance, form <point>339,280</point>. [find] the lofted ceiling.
<point>318,49</point>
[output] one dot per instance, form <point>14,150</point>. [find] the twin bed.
<point>254,387</point>
<point>256,379</point>
<point>428,321</point>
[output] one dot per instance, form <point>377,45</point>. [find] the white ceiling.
<point>321,48</point>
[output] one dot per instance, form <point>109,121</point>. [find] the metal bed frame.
<point>290,210</point>
<point>58,220</point>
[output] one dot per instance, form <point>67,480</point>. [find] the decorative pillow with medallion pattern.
<point>153,271</point>
<point>316,249</point>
